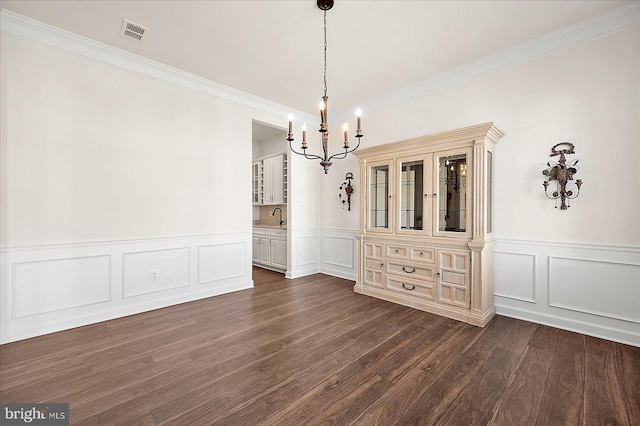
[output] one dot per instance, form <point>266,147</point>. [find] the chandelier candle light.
<point>325,160</point>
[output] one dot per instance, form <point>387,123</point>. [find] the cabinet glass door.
<point>453,199</point>
<point>411,193</point>
<point>379,197</point>
<point>255,196</point>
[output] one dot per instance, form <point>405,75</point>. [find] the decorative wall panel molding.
<point>588,288</point>
<point>306,250</point>
<point>155,270</point>
<point>337,251</point>
<point>608,289</point>
<point>516,277</point>
<point>49,288</point>
<point>222,262</point>
<point>44,286</point>
<point>323,250</point>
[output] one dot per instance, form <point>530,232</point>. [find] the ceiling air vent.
<point>132,30</point>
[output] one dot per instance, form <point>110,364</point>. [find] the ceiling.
<point>274,49</point>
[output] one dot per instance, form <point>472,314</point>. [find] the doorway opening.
<point>269,197</point>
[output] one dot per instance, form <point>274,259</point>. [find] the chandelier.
<point>325,160</point>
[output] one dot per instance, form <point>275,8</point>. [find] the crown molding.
<point>616,20</point>
<point>31,29</point>
<point>613,21</point>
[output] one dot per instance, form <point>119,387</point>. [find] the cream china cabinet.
<point>426,229</point>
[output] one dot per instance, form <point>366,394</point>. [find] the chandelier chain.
<point>325,53</point>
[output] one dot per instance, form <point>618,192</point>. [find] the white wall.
<point>93,152</point>
<point>120,183</point>
<point>589,95</point>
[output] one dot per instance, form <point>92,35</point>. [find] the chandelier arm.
<point>307,156</point>
<point>344,154</point>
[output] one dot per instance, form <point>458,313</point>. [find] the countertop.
<point>270,226</point>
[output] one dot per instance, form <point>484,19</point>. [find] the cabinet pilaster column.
<point>479,208</point>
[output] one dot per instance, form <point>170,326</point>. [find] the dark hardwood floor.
<point>310,351</point>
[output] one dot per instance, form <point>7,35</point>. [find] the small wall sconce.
<point>562,173</point>
<point>348,189</point>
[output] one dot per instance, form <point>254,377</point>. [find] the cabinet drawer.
<point>411,272</point>
<point>397,252</point>
<point>279,233</point>
<point>373,263</point>
<point>409,287</point>
<point>261,231</point>
<point>422,254</point>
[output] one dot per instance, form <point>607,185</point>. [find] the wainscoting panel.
<point>307,251</point>
<point>515,276</point>
<point>44,289</point>
<point>221,262</point>
<point>304,253</point>
<point>53,285</point>
<point>339,253</point>
<point>327,251</point>
<point>156,270</point>
<point>587,288</point>
<point>607,289</point>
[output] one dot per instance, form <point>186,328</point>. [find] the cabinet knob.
<point>435,195</point>
<point>421,254</point>
<point>397,251</point>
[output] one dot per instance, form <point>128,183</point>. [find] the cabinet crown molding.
<point>478,133</point>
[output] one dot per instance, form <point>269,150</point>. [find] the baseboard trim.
<point>564,323</point>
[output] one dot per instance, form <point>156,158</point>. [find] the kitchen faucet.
<point>273,213</point>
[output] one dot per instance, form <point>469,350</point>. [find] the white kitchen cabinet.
<point>425,238</point>
<point>273,180</point>
<point>255,248</point>
<point>270,248</point>
<point>265,250</point>
<point>279,249</point>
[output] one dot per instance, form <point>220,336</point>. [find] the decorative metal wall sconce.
<point>348,189</point>
<point>562,173</point>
